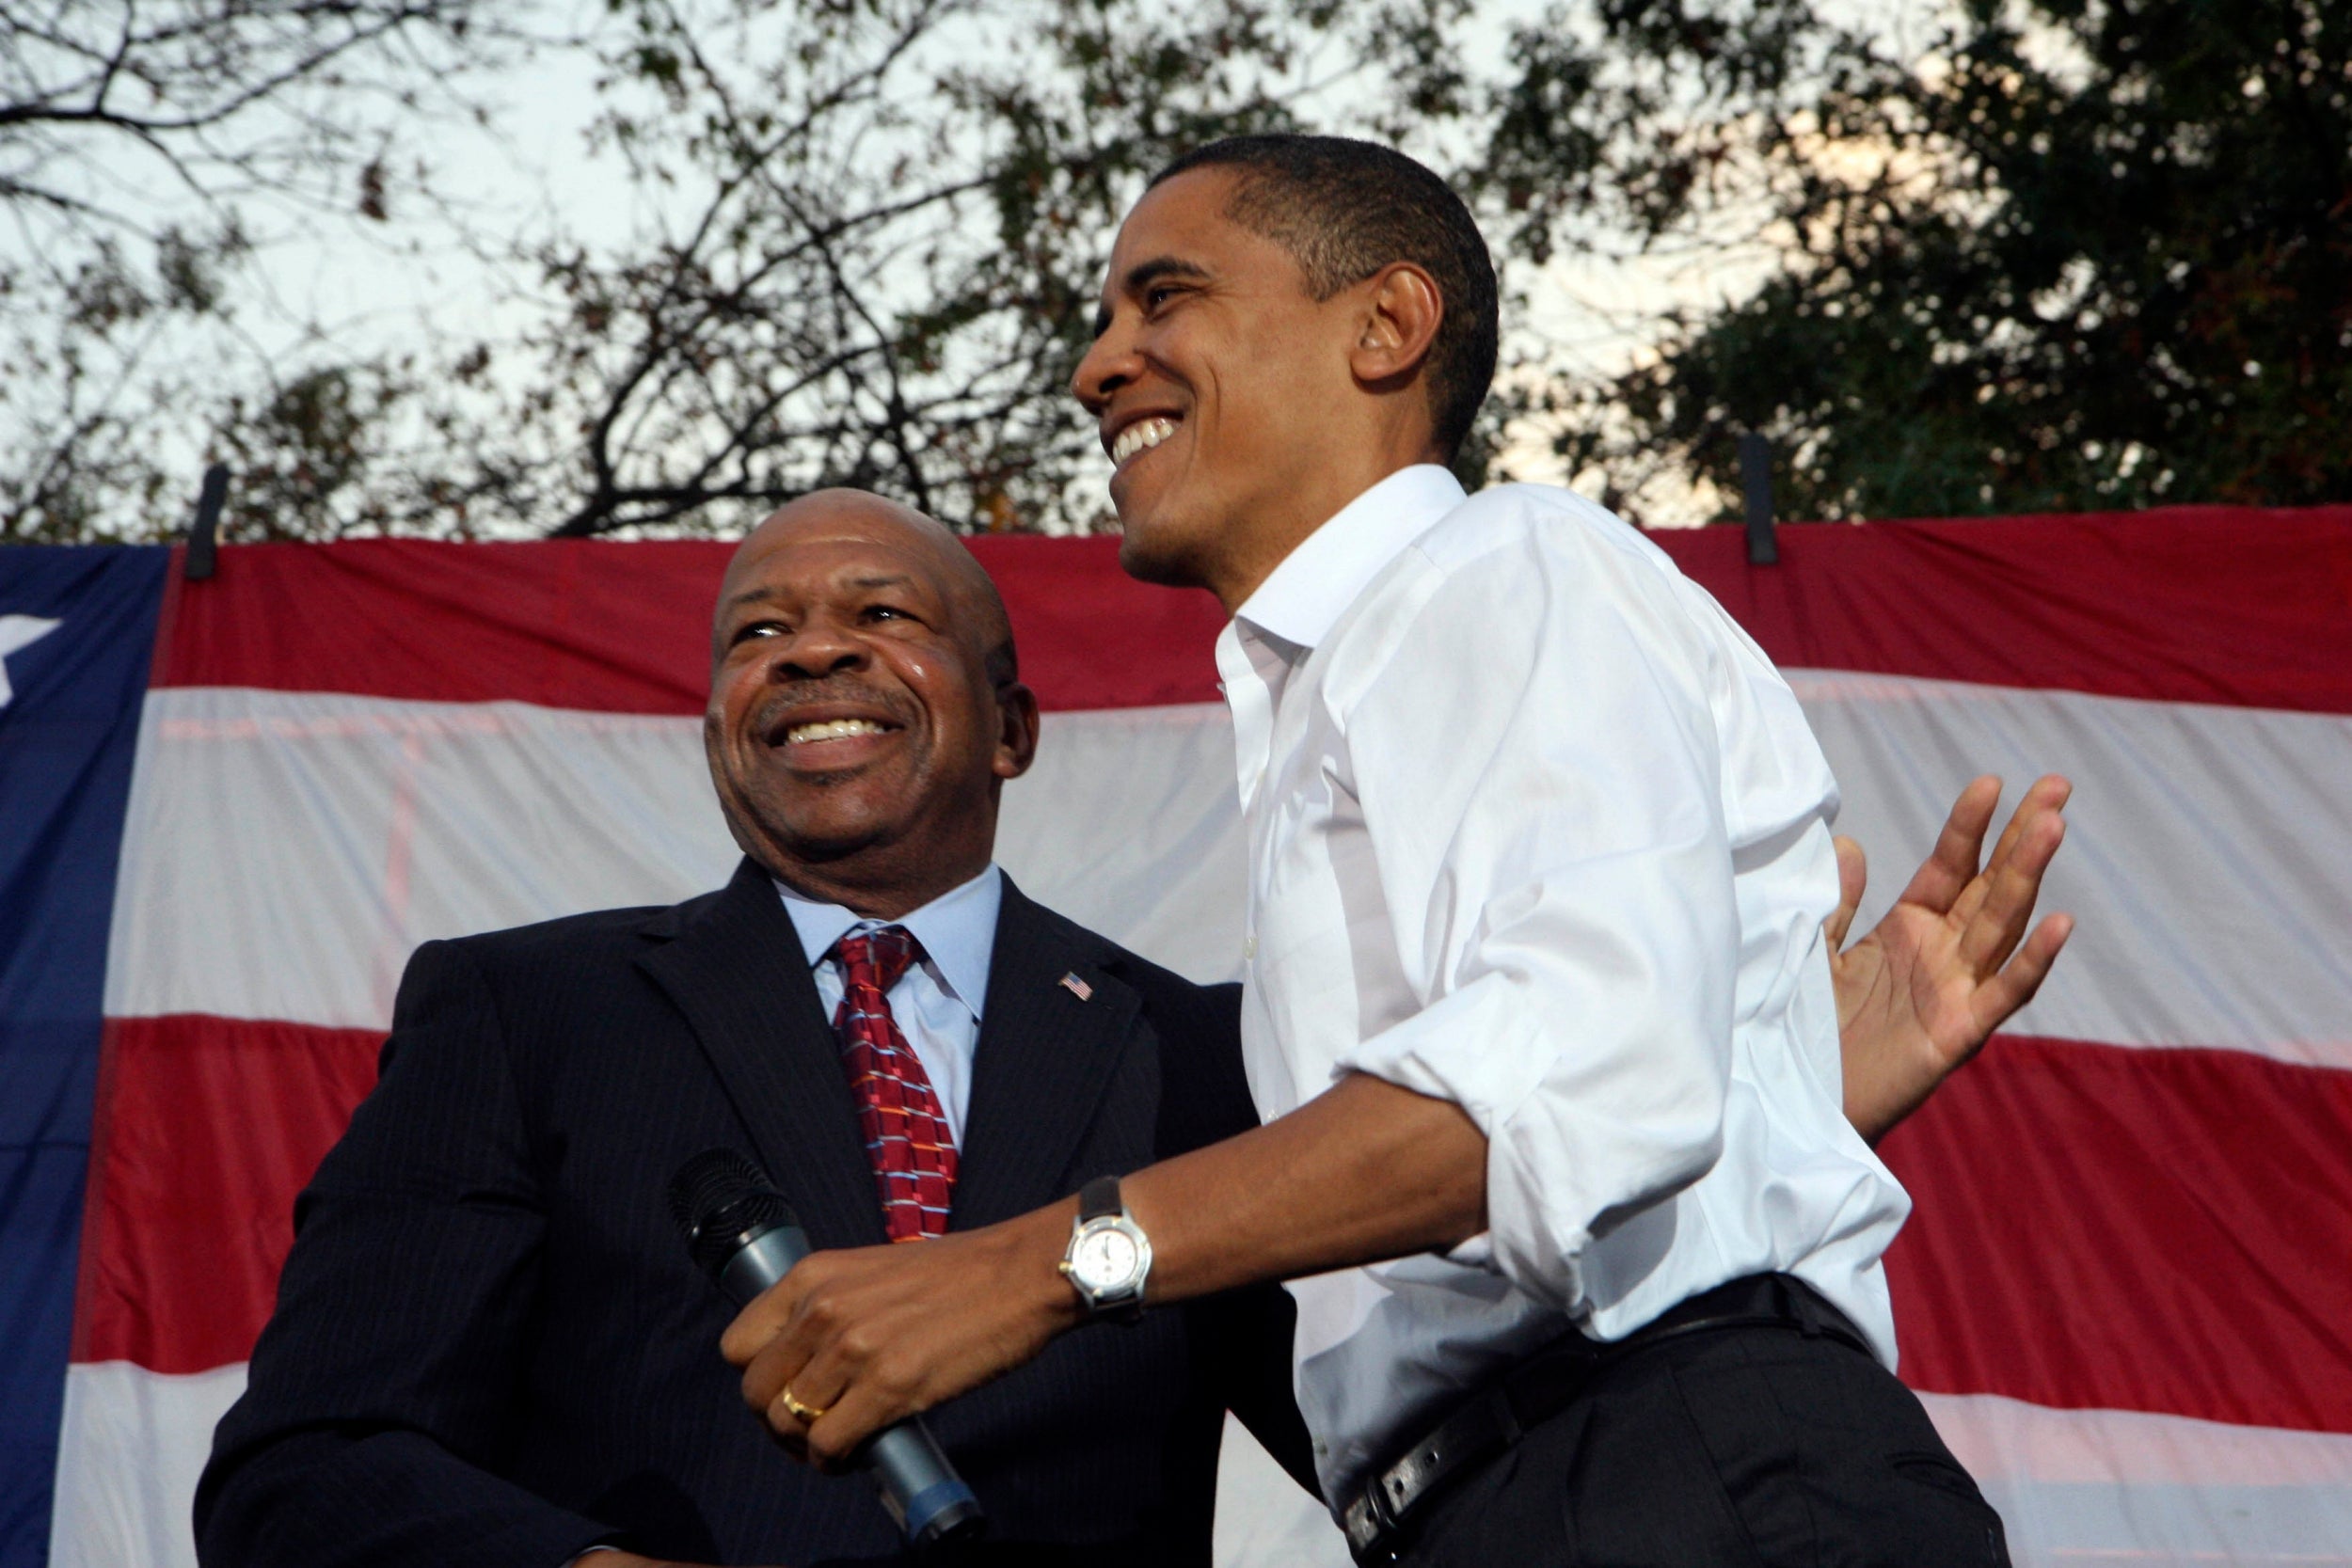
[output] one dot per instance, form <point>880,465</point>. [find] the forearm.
<point>1364,1171</point>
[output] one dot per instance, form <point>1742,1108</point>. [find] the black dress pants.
<point>1747,1447</point>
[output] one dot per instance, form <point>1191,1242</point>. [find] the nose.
<point>1111,363</point>
<point>819,646</point>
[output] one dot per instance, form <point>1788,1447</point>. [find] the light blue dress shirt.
<point>939,1001</point>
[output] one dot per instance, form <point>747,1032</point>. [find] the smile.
<point>832,729</point>
<point>1142,435</point>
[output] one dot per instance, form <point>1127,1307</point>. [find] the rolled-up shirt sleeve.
<point>1552,845</point>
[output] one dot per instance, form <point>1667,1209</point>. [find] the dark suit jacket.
<point>490,1347</point>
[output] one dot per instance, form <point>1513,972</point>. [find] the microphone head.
<point>721,1202</point>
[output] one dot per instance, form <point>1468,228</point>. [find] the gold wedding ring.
<point>808,1414</point>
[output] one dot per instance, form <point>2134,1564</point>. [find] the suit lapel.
<point>735,969</point>
<point>1043,1059</point>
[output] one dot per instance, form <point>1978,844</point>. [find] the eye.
<point>1159,295</point>
<point>886,612</point>
<point>756,628</point>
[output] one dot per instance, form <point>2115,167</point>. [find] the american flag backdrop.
<point>230,808</point>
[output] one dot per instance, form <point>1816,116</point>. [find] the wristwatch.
<point>1109,1257</point>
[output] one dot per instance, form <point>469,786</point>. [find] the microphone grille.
<point>720,1199</point>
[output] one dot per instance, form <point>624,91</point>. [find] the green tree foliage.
<point>2047,255</point>
<point>2077,255</point>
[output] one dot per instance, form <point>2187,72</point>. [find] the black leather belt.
<point>1548,1382</point>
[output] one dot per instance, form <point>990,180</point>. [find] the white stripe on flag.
<point>1128,825</point>
<point>128,1452</point>
<point>285,851</point>
<point>2077,1486</point>
<point>2208,857</point>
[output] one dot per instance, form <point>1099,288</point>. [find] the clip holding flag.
<point>1076,986</point>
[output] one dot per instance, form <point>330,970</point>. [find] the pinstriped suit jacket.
<point>490,1348</point>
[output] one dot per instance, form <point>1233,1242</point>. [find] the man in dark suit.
<point>490,1347</point>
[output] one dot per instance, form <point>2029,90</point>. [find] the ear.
<point>1016,736</point>
<point>1402,307</point>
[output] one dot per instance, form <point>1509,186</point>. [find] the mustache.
<point>768,718</point>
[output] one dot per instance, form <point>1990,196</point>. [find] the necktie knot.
<point>879,958</point>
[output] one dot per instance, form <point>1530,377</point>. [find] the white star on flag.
<point>18,631</point>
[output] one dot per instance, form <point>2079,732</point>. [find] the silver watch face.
<point>1105,1258</point>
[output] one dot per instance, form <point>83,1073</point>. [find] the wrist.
<point>1108,1261</point>
<point>1034,1259</point>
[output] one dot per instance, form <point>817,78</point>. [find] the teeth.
<point>1141,437</point>
<point>831,729</point>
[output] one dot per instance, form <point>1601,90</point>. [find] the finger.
<point>1992,929</point>
<point>784,1360</point>
<point>762,1319</point>
<point>861,1412</point>
<point>2050,792</point>
<point>833,1368</point>
<point>2000,997</point>
<point>1853,875</point>
<point>790,1433</point>
<point>1966,908</point>
<point>815,1393</point>
<point>780,1366</point>
<point>2040,805</point>
<point>1952,864</point>
<point>2048,797</point>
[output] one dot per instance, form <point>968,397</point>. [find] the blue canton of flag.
<point>77,632</point>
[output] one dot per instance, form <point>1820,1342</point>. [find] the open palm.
<point>1918,995</point>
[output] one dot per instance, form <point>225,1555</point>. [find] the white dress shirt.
<point>939,1001</point>
<point>1535,828</point>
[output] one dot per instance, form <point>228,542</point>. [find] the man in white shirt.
<point>1537,1000</point>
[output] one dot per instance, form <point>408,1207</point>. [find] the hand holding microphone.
<point>741,1232</point>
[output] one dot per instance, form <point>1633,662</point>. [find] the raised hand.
<point>1918,995</point>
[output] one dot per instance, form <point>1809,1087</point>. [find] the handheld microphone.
<point>741,1232</point>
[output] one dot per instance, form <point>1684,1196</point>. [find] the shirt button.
<point>1250,946</point>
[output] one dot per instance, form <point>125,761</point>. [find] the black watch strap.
<point>1098,1199</point>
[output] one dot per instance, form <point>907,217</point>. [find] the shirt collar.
<point>1304,597</point>
<point>958,930</point>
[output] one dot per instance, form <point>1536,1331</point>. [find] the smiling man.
<point>1538,1001</point>
<point>490,1347</point>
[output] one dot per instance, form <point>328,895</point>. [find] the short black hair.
<point>1344,209</point>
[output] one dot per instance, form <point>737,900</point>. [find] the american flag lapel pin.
<point>1076,986</point>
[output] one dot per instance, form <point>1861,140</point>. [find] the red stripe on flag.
<point>625,628</point>
<point>207,1129</point>
<point>2135,1229</point>
<point>2206,604</point>
<point>2096,1226</point>
<point>2203,604</point>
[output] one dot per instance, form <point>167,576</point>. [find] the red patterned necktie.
<point>906,1131</point>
